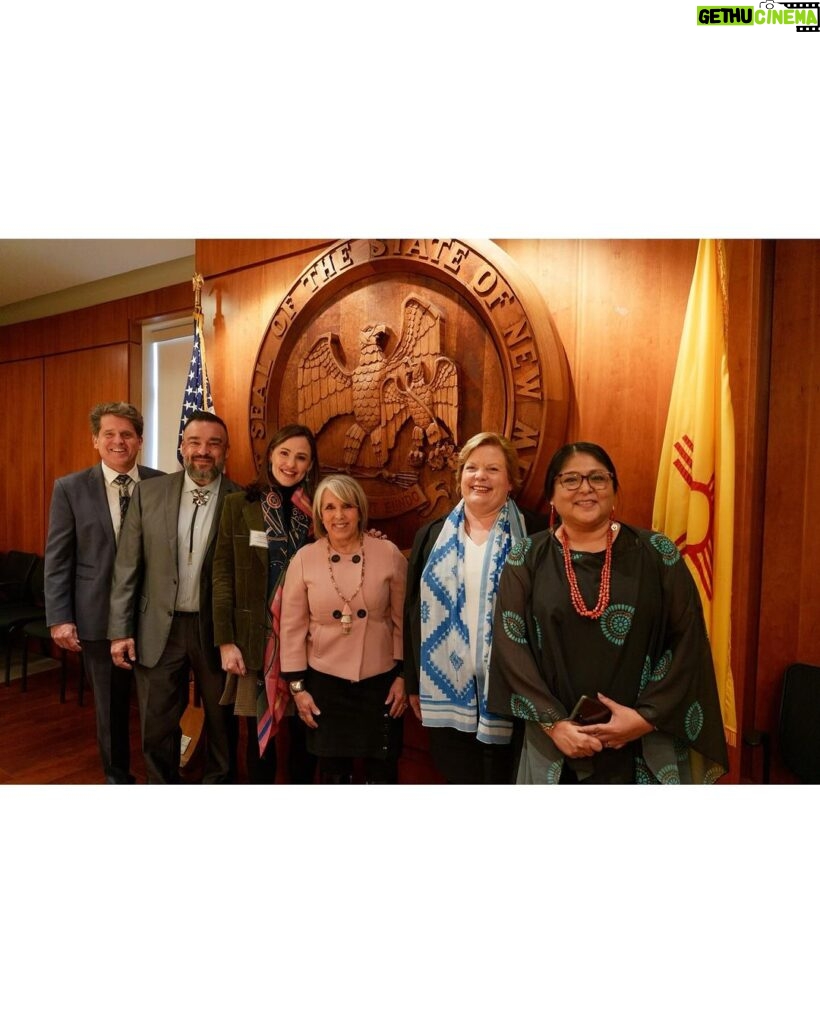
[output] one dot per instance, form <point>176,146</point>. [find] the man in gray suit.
<point>84,523</point>
<point>161,619</point>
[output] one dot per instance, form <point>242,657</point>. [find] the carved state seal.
<point>395,351</point>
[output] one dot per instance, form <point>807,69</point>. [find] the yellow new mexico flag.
<point>695,493</point>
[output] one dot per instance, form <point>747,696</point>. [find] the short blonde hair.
<point>487,437</point>
<point>346,489</point>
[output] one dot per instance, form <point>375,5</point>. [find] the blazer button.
<point>361,613</point>
<point>335,558</point>
<point>337,613</point>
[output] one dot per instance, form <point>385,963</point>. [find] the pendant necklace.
<point>347,614</point>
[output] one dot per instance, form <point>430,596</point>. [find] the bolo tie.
<point>200,498</point>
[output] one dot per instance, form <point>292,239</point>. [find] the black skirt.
<point>354,720</point>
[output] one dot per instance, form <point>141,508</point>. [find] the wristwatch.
<point>297,686</point>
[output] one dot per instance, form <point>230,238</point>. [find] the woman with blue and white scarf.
<point>455,566</point>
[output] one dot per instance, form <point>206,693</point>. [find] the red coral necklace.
<point>606,577</point>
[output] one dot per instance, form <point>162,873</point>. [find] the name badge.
<point>259,539</point>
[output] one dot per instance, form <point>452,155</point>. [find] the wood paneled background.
<point>789,614</point>
<point>22,429</point>
<point>52,372</point>
<point>618,308</point>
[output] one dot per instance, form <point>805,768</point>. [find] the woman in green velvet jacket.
<point>260,530</point>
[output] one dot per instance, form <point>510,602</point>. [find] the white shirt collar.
<point>112,474</point>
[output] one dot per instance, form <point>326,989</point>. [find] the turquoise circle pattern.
<point>643,776</point>
<point>616,623</point>
<point>515,627</point>
<point>693,723</point>
<point>669,775</point>
<point>521,707</point>
<point>519,552</point>
<point>661,669</point>
<point>668,552</point>
<point>646,674</point>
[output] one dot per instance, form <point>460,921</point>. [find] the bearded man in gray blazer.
<point>161,618</point>
<point>83,526</point>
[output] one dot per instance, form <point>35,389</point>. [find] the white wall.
<point>166,356</point>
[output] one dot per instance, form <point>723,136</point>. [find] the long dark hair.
<point>563,455</point>
<point>265,479</point>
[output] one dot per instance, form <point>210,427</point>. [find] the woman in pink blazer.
<point>341,638</point>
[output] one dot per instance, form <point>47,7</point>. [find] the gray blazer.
<point>80,552</point>
<point>144,585</point>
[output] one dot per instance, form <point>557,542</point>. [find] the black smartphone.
<point>590,711</point>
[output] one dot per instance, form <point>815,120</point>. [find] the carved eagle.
<point>415,382</point>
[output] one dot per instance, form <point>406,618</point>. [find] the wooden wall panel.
<point>21,456</point>
<point>618,307</point>
<point>223,255</point>
<point>790,598</point>
<point>73,385</point>
<point>750,267</point>
<point>97,325</point>
<point>89,355</point>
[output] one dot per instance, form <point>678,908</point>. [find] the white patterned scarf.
<point>453,681</point>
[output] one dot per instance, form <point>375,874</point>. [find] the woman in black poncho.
<point>596,607</point>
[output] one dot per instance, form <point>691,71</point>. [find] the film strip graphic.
<point>804,7</point>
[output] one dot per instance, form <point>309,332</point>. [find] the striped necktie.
<point>123,481</point>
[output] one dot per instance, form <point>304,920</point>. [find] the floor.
<point>45,742</point>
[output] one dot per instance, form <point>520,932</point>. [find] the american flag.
<point>197,393</point>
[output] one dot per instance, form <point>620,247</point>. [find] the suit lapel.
<point>255,521</point>
<point>99,501</point>
<point>173,499</point>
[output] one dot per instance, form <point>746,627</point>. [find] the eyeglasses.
<point>598,481</point>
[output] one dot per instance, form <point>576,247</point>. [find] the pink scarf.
<point>273,699</point>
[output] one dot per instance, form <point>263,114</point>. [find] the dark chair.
<point>16,568</point>
<point>29,607</point>
<point>798,729</point>
<point>38,630</point>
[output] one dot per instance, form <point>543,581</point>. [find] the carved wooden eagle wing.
<point>420,332</point>
<point>418,382</point>
<point>324,384</point>
<point>444,394</point>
